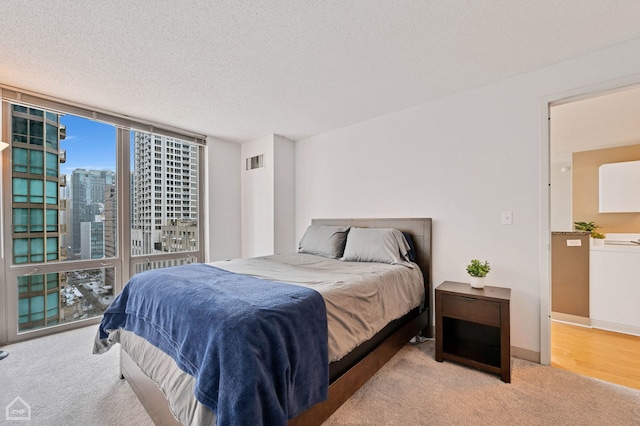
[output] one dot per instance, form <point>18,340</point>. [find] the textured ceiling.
<point>240,70</point>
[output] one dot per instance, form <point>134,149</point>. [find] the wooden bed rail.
<point>344,387</point>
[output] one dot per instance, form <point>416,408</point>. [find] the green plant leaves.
<point>478,269</point>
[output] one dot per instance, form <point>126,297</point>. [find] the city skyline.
<point>65,208</point>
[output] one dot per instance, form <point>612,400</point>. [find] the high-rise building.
<point>165,190</point>
<point>179,235</point>
<point>110,229</point>
<point>65,211</point>
<point>87,194</point>
<point>36,209</point>
<point>92,239</point>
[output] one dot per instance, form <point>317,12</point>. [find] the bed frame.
<point>349,374</point>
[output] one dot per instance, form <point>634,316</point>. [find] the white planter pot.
<point>477,282</point>
<point>597,241</point>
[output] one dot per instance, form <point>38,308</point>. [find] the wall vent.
<point>255,162</point>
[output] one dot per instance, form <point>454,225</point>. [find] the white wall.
<point>561,179</point>
<point>284,208</point>
<point>257,199</point>
<point>223,200</point>
<point>461,160</point>
<point>268,210</point>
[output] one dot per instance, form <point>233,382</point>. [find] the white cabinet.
<point>615,289</point>
<point>619,191</point>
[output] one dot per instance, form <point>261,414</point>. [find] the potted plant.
<point>585,226</point>
<point>478,271</point>
<point>597,238</point>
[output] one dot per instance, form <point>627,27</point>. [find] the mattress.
<point>360,298</point>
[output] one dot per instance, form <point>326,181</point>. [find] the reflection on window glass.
<point>20,160</point>
<point>52,192</point>
<point>36,162</point>
<point>36,250</point>
<point>52,220</point>
<point>20,190</point>
<point>36,191</point>
<point>52,164</point>
<point>20,250</point>
<point>36,220</point>
<point>52,136</point>
<point>20,220</point>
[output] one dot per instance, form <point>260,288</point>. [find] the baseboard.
<point>571,319</point>
<point>618,328</point>
<point>603,325</point>
<point>534,356</point>
<point>526,354</point>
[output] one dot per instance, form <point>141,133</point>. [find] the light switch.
<point>507,217</point>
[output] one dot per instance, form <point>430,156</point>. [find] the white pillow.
<point>384,245</point>
<point>324,240</point>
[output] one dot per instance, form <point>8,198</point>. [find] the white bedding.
<point>361,298</point>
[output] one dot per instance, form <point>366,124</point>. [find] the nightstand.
<point>472,327</point>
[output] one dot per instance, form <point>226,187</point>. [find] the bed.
<point>351,364</point>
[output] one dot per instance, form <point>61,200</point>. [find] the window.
<point>52,164</point>
<point>39,219</point>
<point>65,198</point>
<point>58,298</point>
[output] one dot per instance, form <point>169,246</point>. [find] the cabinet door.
<point>618,187</point>
<point>614,290</point>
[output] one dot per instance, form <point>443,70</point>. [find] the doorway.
<point>583,134</point>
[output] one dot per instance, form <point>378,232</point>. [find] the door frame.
<point>574,95</point>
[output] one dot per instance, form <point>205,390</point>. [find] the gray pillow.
<point>384,245</point>
<point>324,240</point>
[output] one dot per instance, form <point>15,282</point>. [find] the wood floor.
<point>604,355</point>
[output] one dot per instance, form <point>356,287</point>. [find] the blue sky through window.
<point>89,144</point>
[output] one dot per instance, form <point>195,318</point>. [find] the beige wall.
<point>585,189</point>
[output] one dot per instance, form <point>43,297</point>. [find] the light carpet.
<point>414,389</point>
<point>64,384</point>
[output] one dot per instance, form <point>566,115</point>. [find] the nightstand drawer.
<point>471,309</point>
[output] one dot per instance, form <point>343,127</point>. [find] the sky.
<point>89,144</point>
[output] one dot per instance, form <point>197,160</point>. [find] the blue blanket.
<point>258,349</point>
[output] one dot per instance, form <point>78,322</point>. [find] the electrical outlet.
<point>507,217</point>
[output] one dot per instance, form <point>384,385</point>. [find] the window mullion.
<point>123,236</point>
